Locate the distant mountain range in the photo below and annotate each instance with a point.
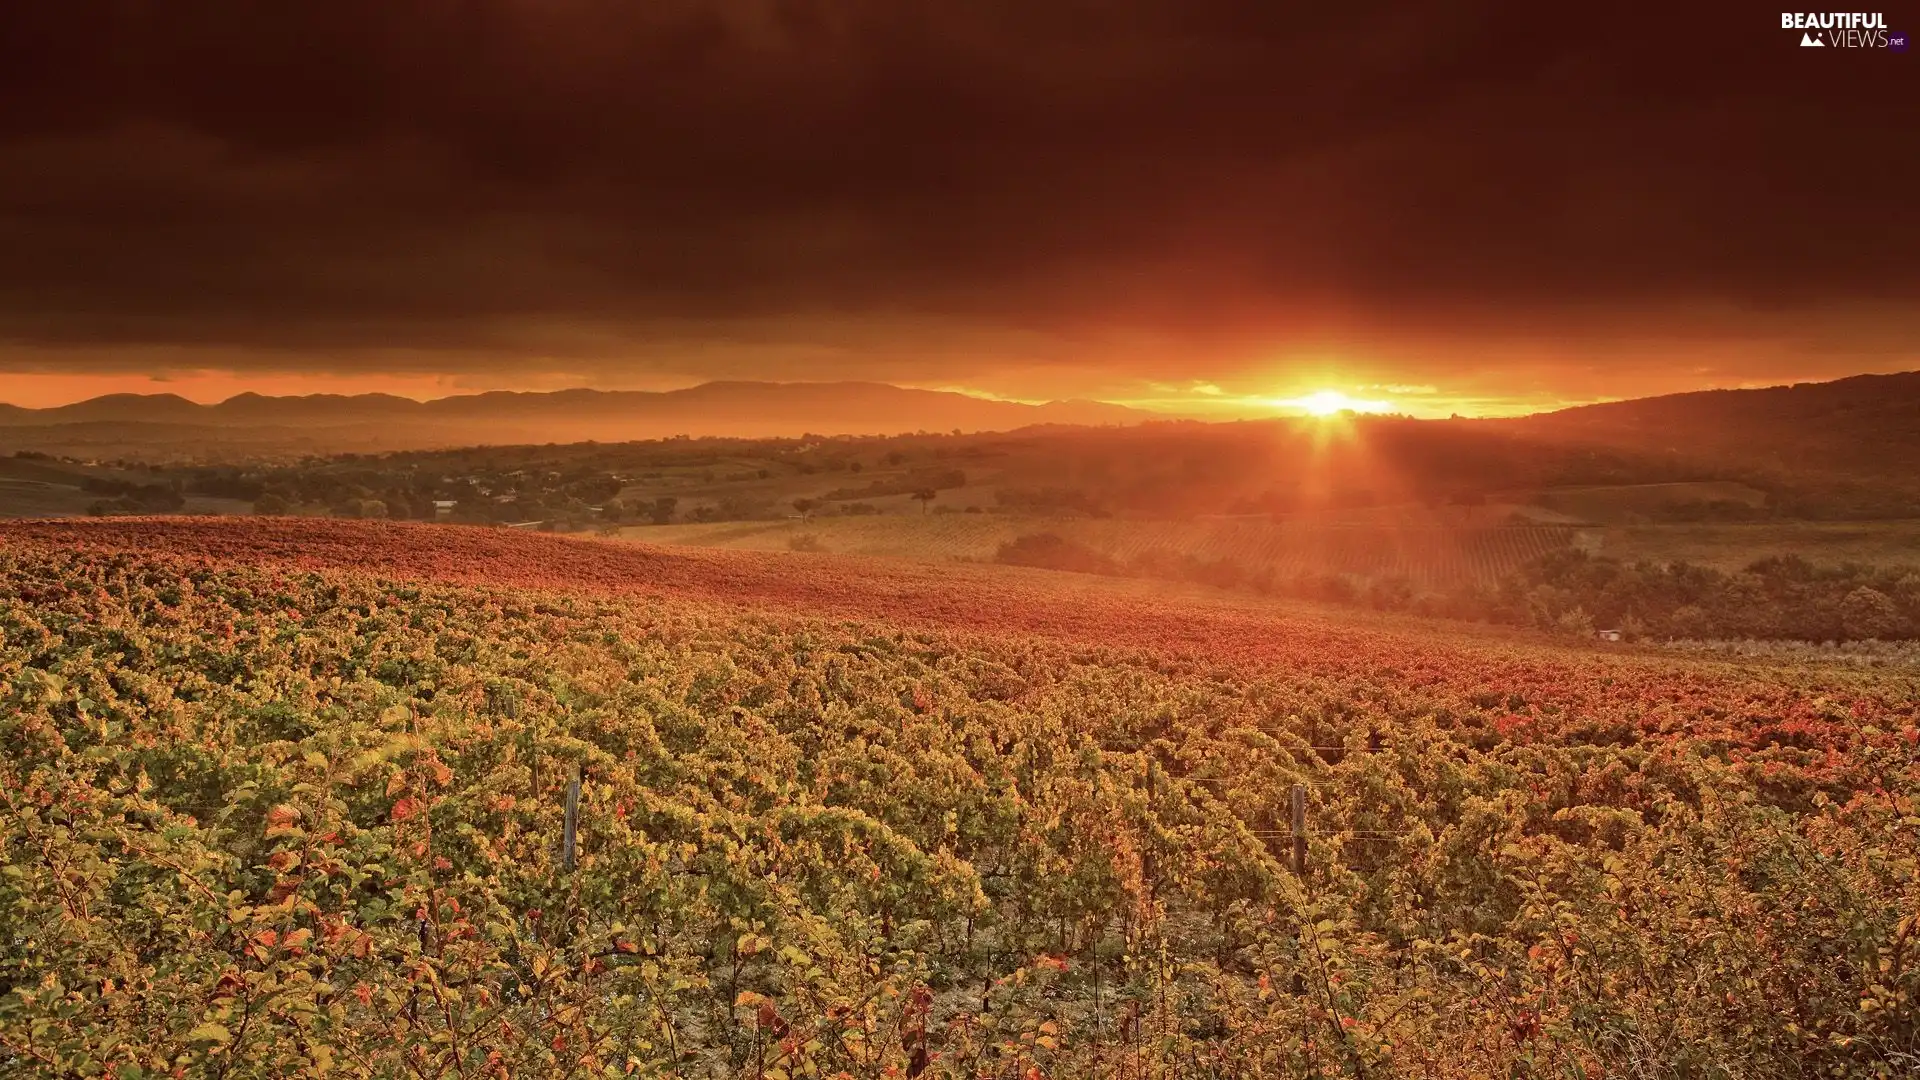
(746, 409)
(1865, 428)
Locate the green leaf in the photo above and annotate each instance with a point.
(210, 1032)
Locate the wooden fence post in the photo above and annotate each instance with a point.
(573, 821)
(1299, 830)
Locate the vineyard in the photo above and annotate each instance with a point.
(288, 798)
(1434, 555)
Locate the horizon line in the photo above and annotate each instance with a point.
(1206, 408)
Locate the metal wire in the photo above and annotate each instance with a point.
(1271, 834)
(1242, 780)
(1348, 836)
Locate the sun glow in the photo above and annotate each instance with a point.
(1332, 403)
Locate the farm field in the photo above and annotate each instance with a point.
(1732, 546)
(1432, 554)
(771, 482)
(1630, 503)
(291, 796)
(1435, 554)
(34, 499)
(31, 489)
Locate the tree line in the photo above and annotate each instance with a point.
(1569, 592)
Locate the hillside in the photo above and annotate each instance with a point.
(1839, 451)
(1861, 429)
(300, 793)
(32, 488)
(952, 596)
(1734, 417)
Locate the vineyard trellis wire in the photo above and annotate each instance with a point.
(795, 819)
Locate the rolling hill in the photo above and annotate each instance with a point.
(1862, 427)
(294, 798)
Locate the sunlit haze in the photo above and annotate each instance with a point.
(1484, 211)
(1332, 402)
(939, 539)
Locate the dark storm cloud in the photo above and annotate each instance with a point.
(597, 177)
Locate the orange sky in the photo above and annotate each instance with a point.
(1209, 380)
(1199, 206)
(1198, 398)
(43, 389)
(1248, 396)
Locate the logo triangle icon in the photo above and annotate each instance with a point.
(1809, 39)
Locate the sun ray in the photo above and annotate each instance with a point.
(1332, 403)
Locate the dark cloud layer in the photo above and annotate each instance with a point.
(647, 182)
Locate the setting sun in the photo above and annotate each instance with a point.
(1332, 402)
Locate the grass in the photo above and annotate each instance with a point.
(1430, 550)
(37, 489)
(739, 478)
(34, 499)
(1733, 546)
(1431, 553)
(1625, 503)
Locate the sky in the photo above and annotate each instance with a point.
(1207, 206)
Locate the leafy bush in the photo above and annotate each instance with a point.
(1868, 613)
(276, 822)
(1051, 551)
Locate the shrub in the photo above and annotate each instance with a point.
(1051, 551)
(1689, 621)
(1869, 613)
(1575, 623)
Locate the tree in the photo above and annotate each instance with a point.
(1051, 551)
(270, 505)
(926, 497)
(1574, 623)
(1869, 613)
(1690, 621)
(805, 506)
(661, 512)
(739, 506)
